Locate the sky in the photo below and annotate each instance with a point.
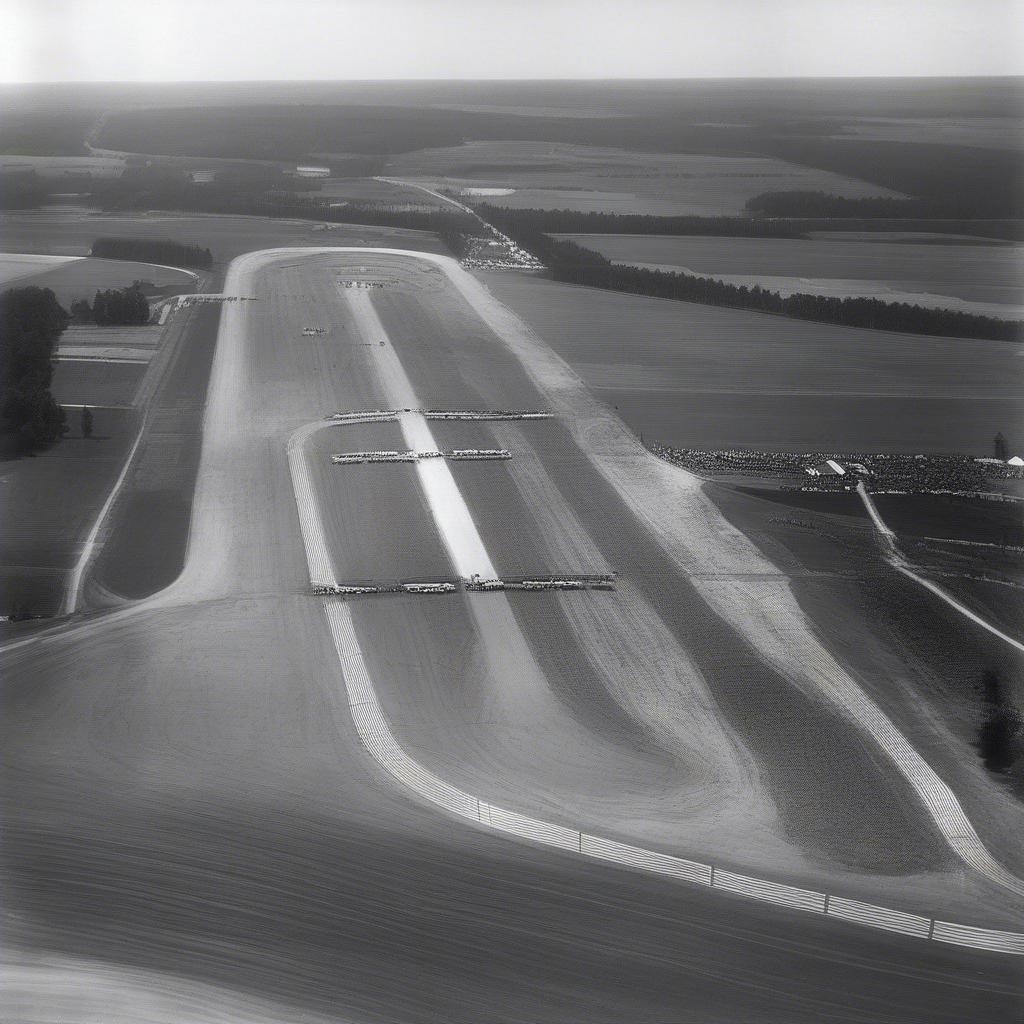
(238, 40)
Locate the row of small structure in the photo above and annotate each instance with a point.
(474, 583)
(349, 458)
(386, 415)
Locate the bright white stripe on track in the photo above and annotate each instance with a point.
(451, 514)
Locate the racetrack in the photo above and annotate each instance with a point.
(187, 794)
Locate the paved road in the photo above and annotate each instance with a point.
(185, 794)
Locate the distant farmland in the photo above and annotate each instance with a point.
(705, 377)
(558, 176)
(987, 279)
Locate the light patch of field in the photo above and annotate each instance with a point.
(72, 232)
(703, 377)
(985, 279)
(373, 190)
(560, 176)
(82, 278)
(136, 341)
(16, 266)
(987, 132)
(60, 166)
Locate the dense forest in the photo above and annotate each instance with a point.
(575, 264)
(174, 192)
(578, 222)
(960, 181)
(31, 323)
(115, 306)
(153, 250)
(824, 204)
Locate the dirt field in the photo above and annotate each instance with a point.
(984, 279)
(700, 377)
(195, 751)
(464, 350)
(558, 176)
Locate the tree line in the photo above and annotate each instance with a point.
(590, 222)
(153, 250)
(31, 323)
(577, 265)
(825, 204)
(114, 306)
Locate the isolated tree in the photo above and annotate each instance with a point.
(999, 735)
(81, 311)
(31, 321)
(86, 421)
(1000, 447)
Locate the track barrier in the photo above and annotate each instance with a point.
(376, 736)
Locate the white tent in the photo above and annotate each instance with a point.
(1015, 461)
(827, 468)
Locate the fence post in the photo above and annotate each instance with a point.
(931, 928)
(827, 898)
(712, 874)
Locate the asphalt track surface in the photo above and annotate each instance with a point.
(192, 815)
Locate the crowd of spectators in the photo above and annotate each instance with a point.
(881, 472)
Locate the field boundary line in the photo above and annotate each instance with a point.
(73, 591)
(899, 563)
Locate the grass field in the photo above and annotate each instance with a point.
(49, 502)
(72, 234)
(369, 190)
(560, 176)
(702, 377)
(96, 382)
(949, 516)
(81, 279)
(986, 132)
(59, 166)
(910, 649)
(18, 267)
(986, 279)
